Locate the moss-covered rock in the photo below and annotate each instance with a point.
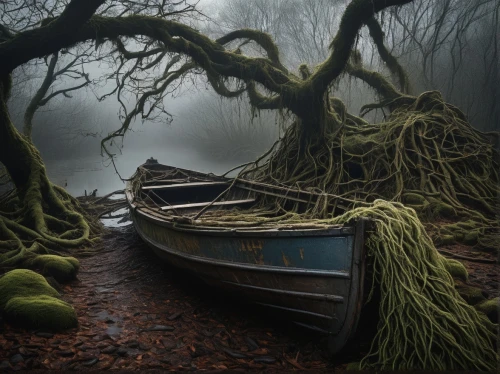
(440, 209)
(471, 295)
(23, 283)
(40, 312)
(353, 366)
(444, 240)
(61, 268)
(490, 307)
(470, 238)
(414, 199)
(456, 269)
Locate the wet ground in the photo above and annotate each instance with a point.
(135, 312)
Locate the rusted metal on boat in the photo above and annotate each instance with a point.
(312, 276)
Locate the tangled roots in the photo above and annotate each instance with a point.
(425, 155)
(40, 221)
(424, 323)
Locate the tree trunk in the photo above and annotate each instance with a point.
(16, 153)
(41, 202)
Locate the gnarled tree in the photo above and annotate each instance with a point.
(424, 153)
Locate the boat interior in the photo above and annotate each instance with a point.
(171, 191)
(185, 192)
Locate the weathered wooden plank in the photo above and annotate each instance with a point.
(199, 205)
(183, 185)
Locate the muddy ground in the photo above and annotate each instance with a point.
(136, 313)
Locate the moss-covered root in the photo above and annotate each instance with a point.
(23, 283)
(424, 323)
(62, 269)
(40, 312)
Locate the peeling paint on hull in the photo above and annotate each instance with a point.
(312, 277)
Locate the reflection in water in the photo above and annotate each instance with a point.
(123, 218)
(78, 175)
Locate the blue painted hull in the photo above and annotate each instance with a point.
(313, 277)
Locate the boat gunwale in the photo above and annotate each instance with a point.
(242, 266)
(354, 298)
(333, 231)
(252, 231)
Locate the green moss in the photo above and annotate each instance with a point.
(443, 210)
(456, 269)
(470, 238)
(471, 295)
(489, 307)
(61, 268)
(353, 366)
(445, 240)
(40, 312)
(413, 198)
(23, 283)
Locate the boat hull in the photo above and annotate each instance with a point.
(311, 277)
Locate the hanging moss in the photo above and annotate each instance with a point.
(23, 283)
(424, 322)
(40, 312)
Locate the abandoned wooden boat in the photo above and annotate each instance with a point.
(313, 277)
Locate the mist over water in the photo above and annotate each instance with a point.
(91, 172)
(210, 134)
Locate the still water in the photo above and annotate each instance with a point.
(94, 172)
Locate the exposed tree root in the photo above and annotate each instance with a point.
(39, 218)
(428, 157)
(425, 155)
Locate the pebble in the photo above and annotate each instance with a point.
(200, 351)
(90, 362)
(132, 344)
(264, 360)
(122, 352)
(109, 350)
(46, 335)
(99, 338)
(233, 354)
(174, 316)
(4, 365)
(168, 343)
(66, 353)
(16, 358)
(78, 343)
(33, 346)
(160, 328)
(252, 345)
